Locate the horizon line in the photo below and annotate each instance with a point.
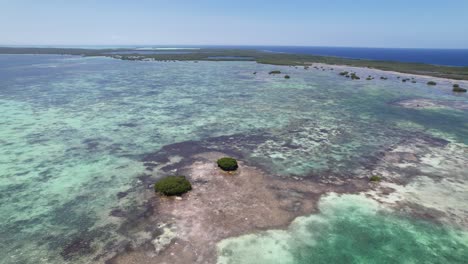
(213, 45)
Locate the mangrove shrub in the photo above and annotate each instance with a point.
(173, 185)
(227, 164)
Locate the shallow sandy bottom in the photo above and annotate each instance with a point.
(423, 103)
(224, 205)
(84, 140)
(250, 217)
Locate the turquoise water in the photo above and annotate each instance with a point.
(75, 131)
(349, 229)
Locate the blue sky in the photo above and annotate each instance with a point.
(351, 23)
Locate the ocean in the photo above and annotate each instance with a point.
(449, 57)
(79, 135)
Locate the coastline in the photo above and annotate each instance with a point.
(285, 59)
(379, 72)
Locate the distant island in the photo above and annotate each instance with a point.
(213, 54)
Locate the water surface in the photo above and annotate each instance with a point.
(74, 133)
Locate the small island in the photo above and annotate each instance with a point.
(344, 73)
(173, 185)
(354, 76)
(458, 89)
(227, 164)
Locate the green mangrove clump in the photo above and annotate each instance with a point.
(383, 78)
(227, 164)
(287, 77)
(431, 83)
(173, 185)
(275, 72)
(354, 76)
(344, 73)
(458, 89)
(375, 178)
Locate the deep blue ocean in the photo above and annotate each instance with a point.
(452, 57)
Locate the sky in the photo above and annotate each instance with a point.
(346, 23)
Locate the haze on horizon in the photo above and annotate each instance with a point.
(360, 23)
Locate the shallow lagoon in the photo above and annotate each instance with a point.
(75, 131)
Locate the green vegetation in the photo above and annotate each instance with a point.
(431, 83)
(375, 178)
(344, 73)
(173, 185)
(458, 73)
(227, 164)
(458, 89)
(383, 78)
(287, 77)
(275, 72)
(354, 76)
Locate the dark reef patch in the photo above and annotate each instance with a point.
(77, 247)
(129, 124)
(121, 195)
(233, 145)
